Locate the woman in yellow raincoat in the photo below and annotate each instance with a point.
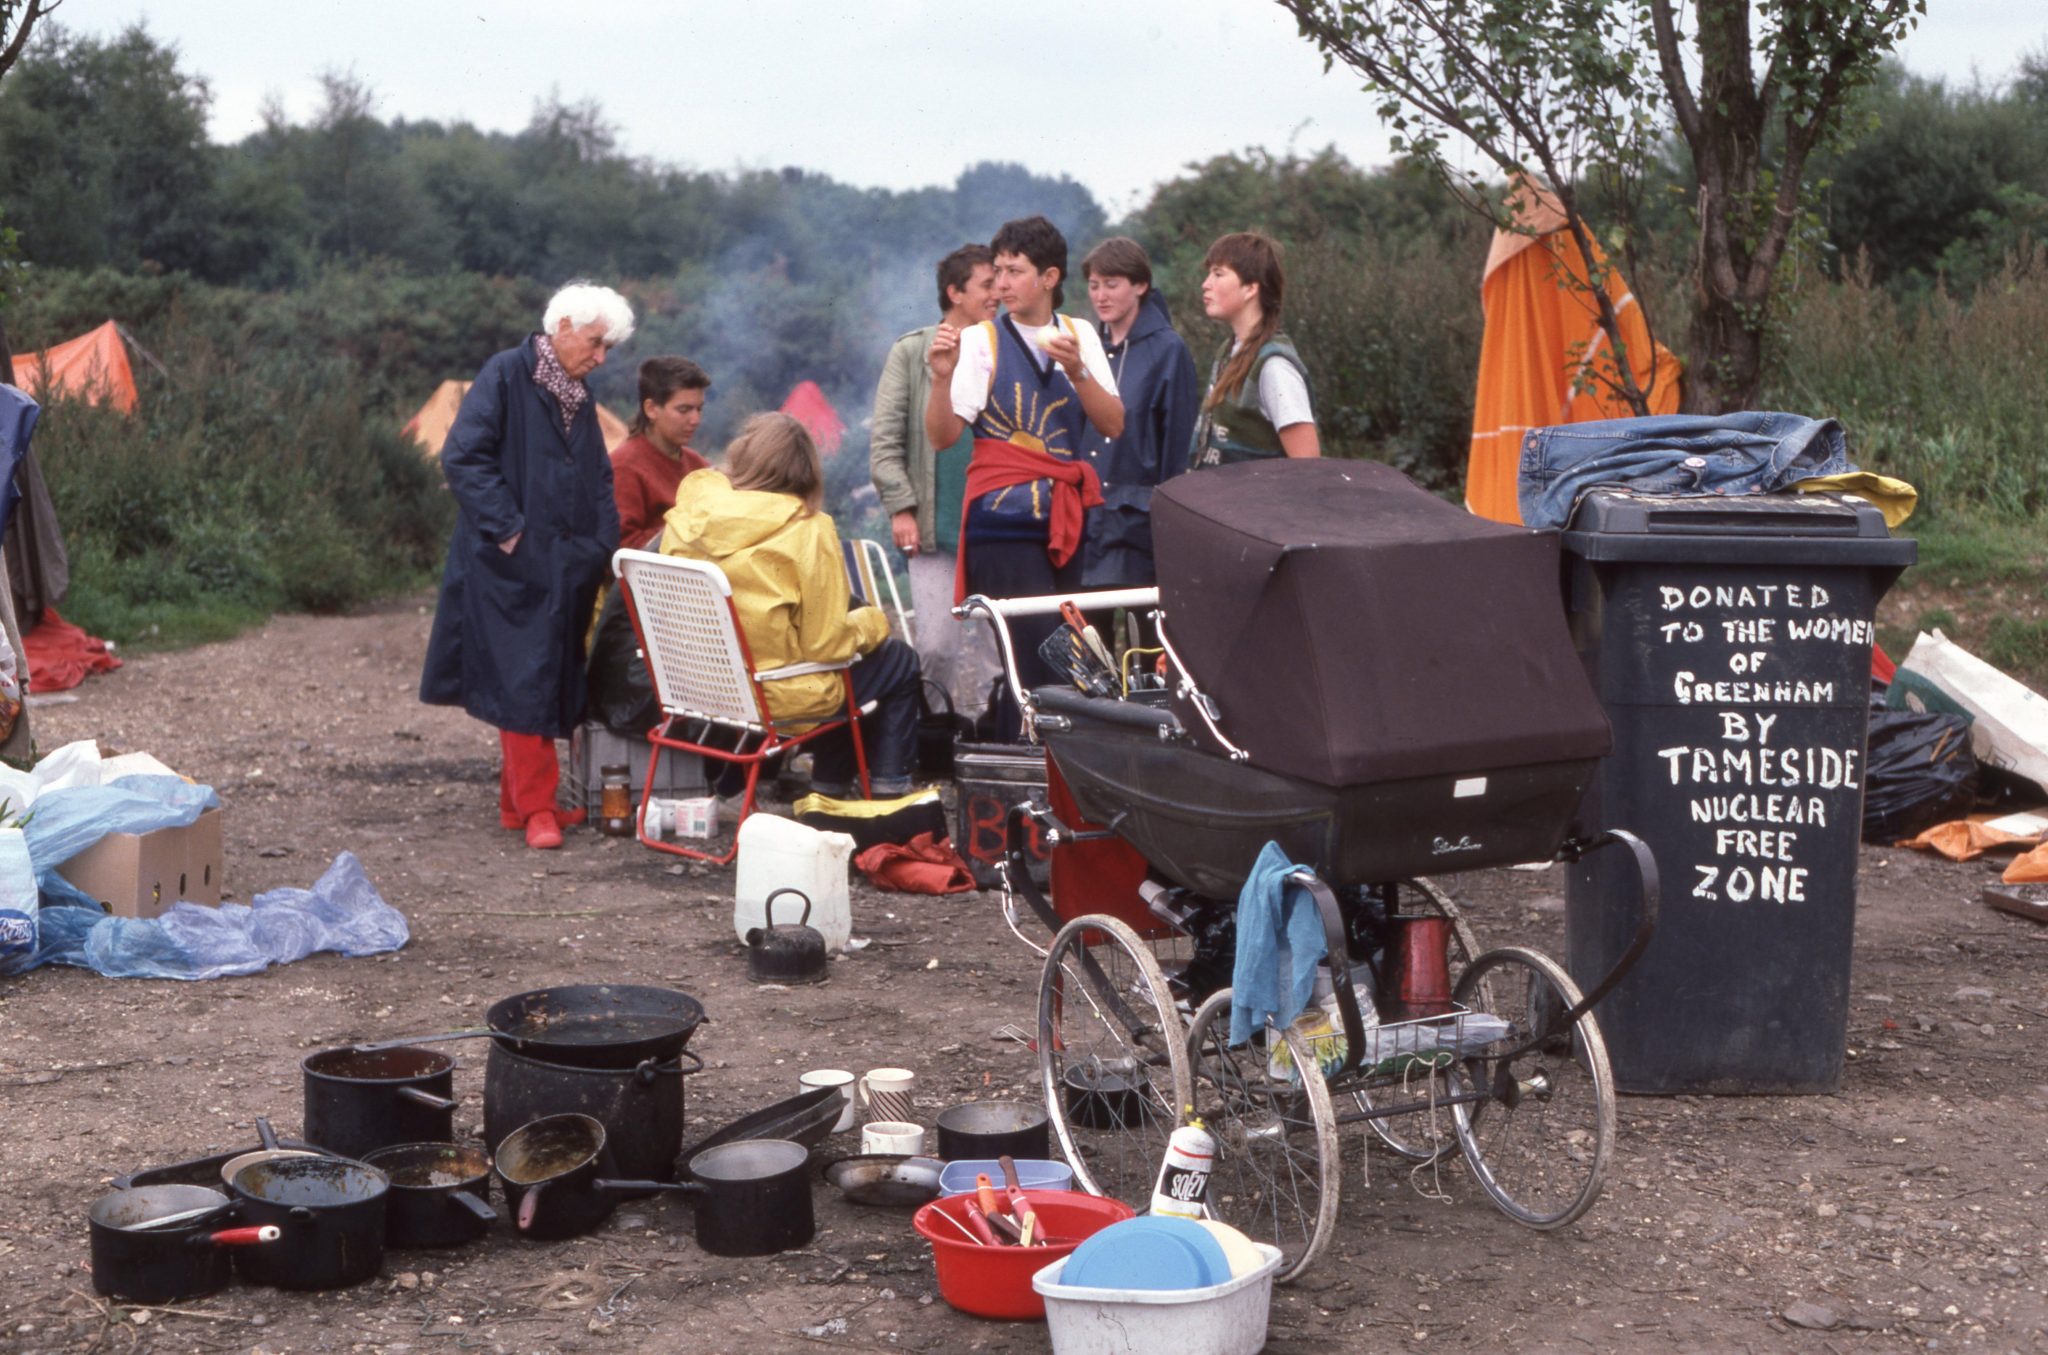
(760, 518)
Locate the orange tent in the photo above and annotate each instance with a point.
(92, 367)
(809, 407)
(1543, 339)
(429, 428)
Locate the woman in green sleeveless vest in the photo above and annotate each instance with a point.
(1259, 404)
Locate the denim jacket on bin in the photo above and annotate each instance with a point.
(1753, 452)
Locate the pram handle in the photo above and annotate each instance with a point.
(1339, 956)
(999, 610)
(1646, 925)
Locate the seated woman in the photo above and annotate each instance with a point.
(759, 517)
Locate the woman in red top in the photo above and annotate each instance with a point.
(647, 467)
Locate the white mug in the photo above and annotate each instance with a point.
(840, 1079)
(884, 1094)
(892, 1136)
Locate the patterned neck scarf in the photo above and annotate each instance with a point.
(548, 374)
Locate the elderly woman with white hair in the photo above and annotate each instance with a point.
(537, 528)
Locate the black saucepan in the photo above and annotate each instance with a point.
(331, 1214)
(598, 1025)
(990, 1129)
(440, 1193)
(752, 1198)
(159, 1244)
(359, 1102)
(549, 1168)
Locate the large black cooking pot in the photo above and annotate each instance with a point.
(594, 1025)
(159, 1244)
(330, 1212)
(640, 1108)
(359, 1102)
(440, 1193)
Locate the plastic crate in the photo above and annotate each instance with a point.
(593, 747)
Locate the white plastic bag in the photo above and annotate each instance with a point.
(2008, 720)
(18, 902)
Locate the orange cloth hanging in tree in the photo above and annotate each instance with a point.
(1542, 334)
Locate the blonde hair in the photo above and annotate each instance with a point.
(774, 453)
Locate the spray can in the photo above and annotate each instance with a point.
(1183, 1185)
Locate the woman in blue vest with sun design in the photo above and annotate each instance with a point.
(1026, 383)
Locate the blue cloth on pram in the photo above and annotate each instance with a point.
(1279, 943)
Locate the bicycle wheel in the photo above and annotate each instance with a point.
(1112, 1052)
(1420, 1136)
(1539, 1144)
(1275, 1175)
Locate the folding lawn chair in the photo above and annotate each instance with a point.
(704, 674)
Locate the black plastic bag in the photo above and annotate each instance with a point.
(621, 695)
(1919, 771)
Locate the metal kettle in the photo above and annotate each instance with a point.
(786, 954)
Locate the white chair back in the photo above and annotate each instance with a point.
(691, 637)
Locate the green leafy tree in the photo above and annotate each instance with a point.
(1578, 92)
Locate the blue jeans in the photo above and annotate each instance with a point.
(890, 677)
(1753, 452)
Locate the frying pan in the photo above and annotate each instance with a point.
(592, 1025)
(885, 1179)
(804, 1119)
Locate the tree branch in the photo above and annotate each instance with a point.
(36, 10)
(1672, 64)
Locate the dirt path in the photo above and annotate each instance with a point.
(1903, 1211)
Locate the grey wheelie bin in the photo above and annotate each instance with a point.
(1729, 639)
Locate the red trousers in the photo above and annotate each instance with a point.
(527, 782)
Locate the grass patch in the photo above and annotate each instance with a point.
(2017, 645)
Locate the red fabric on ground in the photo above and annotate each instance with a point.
(922, 865)
(527, 781)
(61, 655)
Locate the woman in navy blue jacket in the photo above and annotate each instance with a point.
(537, 527)
(1155, 378)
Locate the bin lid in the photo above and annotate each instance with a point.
(1765, 529)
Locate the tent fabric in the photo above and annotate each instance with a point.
(61, 655)
(429, 427)
(1353, 628)
(807, 404)
(92, 367)
(1542, 331)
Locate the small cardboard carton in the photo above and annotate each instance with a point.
(142, 874)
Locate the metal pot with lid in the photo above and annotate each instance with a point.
(786, 954)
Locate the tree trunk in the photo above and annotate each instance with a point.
(1727, 366)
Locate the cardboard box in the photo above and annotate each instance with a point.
(142, 874)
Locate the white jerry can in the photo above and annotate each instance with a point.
(778, 853)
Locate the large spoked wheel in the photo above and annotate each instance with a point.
(1112, 1051)
(1421, 1136)
(1539, 1142)
(1275, 1176)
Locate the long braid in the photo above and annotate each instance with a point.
(1255, 258)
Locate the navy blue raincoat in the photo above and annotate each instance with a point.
(507, 644)
(1155, 379)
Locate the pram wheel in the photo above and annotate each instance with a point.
(1111, 1050)
(1275, 1175)
(1539, 1143)
(1422, 1137)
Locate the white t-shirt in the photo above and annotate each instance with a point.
(1283, 395)
(978, 362)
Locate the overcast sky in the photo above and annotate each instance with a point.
(1119, 94)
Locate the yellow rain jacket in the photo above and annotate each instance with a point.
(788, 585)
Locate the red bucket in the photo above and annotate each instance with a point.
(996, 1281)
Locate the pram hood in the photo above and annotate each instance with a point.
(1354, 628)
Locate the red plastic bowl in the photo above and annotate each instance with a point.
(996, 1281)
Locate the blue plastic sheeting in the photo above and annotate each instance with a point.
(342, 912)
(63, 823)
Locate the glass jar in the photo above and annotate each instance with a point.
(615, 802)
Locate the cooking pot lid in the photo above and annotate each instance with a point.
(748, 1160)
